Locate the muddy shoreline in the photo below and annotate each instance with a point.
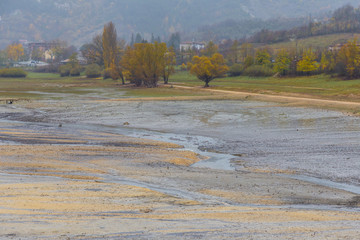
(74, 170)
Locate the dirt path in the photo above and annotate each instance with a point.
(293, 100)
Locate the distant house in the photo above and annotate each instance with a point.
(44, 46)
(49, 55)
(185, 46)
(31, 63)
(337, 47)
(81, 60)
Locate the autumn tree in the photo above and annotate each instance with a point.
(233, 55)
(93, 52)
(348, 60)
(3, 58)
(15, 51)
(210, 49)
(328, 62)
(207, 69)
(246, 50)
(282, 63)
(61, 50)
(308, 62)
(37, 54)
(109, 41)
(131, 66)
(144, 63)
(169, 63)
(262, 57)
(249, 61)
(112, 51)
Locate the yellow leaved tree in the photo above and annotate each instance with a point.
(169, 64)
(348, 59)
(308, 62)
(15, 51)
(144, 63)
(282, 63)
(207, 69)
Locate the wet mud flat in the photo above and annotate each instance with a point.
(80, 173)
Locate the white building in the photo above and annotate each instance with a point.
(31, 63)
(185, 46)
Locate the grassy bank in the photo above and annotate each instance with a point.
(37, 85)
(34, 84)
(319, 86)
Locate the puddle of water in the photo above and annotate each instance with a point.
(191, 143)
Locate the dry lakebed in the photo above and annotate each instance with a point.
(93, 167)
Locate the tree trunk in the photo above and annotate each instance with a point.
(207, 84)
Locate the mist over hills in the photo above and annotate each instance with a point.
(78, 20)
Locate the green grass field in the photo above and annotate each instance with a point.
(320, 86)
(35, 84)
(28, 88)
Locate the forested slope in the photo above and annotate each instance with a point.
(78, 20)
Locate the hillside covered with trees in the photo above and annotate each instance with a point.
(344, 20)
(77, 21)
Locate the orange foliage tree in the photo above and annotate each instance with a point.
(144, 63)
(207, 69)
(15, 51)
(112, 49)
(348, 60)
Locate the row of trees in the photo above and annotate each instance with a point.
(344, 61)
(146, 63)
(140, 63)
(344, 20)
(246, 60)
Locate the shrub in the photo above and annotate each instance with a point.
(93, 71)
(259, 71)
(13, 73)
(183, 67)
(64, 71)
(52, 68)
(74, 72)
(235, 70)
(136, 82)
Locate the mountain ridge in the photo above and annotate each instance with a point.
(77, 20)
